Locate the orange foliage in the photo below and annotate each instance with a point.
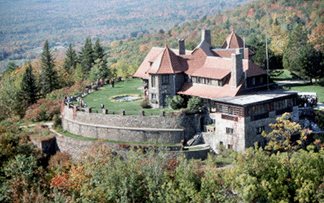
(250, 13)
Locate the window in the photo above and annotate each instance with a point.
(261, 80)
(229, 146)
(153, 80)
(259, 130)
(153, 96)
(165, 79)
(220, 83)
(194, 79)
(253, 81)
(229, 131)
(207, 81)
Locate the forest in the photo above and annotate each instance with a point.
(25, 25)
(284, 171)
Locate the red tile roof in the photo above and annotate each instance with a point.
(252, 69)
(214, 67)
(209, 92)
(151, 56)
(167, 62)
(233, 41)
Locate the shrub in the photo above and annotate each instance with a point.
(177, 102)
(194, 104)
(57, 122)
(145, 104)
(43, 110)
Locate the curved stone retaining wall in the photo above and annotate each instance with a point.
(129, 128)
(76, 147)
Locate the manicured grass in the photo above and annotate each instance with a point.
(307, 87)
(104, 95)
(281, 74)
(79, 137)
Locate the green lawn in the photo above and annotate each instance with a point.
(103, 95)
(281, 74)
(306, 87)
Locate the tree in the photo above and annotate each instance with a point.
(29, 87)
(86, 57)
(317, 37)
(177, 102)
(310, 63)
(11, 67)
(195, 103)
(292, 174)
(99, 70)
(98, 52)
(70, 60)
(49, 74)
(297, 39)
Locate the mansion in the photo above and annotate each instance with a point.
(232, 87)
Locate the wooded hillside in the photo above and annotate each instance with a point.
(25, 25)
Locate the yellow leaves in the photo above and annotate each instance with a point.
(143, 47)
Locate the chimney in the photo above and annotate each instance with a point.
(182, 47)
(205, 36)
(237, 70)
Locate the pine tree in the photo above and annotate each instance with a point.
(297, 39)
(98, 52)
(49, 75)
(86, 57)
(29, 87)
(70, 60)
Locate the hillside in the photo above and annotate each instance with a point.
(251, 21)
(25, 25)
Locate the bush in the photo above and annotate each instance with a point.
(194, 104)
(57, 122)
(177, 102)
(145, 104)
(43, 110)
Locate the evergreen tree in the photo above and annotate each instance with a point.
(98, 52)
(86, 57)
(49, 75)
(297, 39)
(29, 88)
(310, 63)
(70, 60)
(99, 70)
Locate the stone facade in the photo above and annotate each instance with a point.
(239, 132)
(162, 86)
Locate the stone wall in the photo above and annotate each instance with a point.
(77, 147)
(126, 128)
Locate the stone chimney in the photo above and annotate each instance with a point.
(182, 47)
(237, 70)
(205, 36)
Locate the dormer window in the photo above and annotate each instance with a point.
(220, 83)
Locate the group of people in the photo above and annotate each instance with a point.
(309, 100)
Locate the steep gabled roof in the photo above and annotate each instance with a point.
(145, 66)
(167, 62)
(251, 69)
(205, 47)
(209, 92)
(215, 68)
(233, 41)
